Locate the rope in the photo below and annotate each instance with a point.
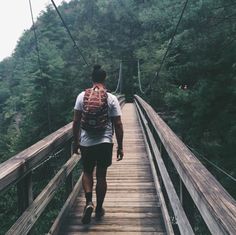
(169, 45)
(40, 68)
(68, 31)
(139, 80)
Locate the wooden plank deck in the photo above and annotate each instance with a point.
(131, 204)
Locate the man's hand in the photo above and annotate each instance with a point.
(120, 154)
(119, 136)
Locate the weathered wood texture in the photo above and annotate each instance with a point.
(131, 204)
(16, 167)
(216, 206)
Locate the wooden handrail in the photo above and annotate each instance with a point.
(216, 206)
(178, 210)
(19, 165)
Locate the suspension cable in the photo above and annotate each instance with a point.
(36, 38)
(68, 31)
(169, 45)
(139, 80)
(119, 79)
(40, 68)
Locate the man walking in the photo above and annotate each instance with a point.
(97, 114)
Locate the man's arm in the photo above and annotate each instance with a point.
(119, 136)
(76, 129)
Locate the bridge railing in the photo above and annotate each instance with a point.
(216, 206)
(19, 169)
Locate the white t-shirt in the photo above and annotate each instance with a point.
(114, 110)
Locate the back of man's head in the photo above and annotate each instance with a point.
(98, 74)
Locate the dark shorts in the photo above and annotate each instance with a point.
(98, 155)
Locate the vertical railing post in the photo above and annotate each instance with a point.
(188, 205)
(69, 179)
(24, 192)
(180, 190)
(121, 78)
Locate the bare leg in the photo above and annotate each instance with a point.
(87, 181)
(101, 186)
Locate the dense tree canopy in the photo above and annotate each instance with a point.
(37, 99)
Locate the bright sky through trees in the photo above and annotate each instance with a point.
(15, 18)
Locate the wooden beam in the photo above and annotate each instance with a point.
(216, 206)
(26, 221)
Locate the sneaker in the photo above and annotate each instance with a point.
(99, 213)
(88, 210)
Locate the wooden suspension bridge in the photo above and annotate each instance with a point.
(155, 189)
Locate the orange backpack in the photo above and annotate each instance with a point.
(95, 109)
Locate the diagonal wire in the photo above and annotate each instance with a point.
(36, 38)
(169, 44)
(68, 31)
(213, 164)
(40, 69)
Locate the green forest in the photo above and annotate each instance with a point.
(195, 91)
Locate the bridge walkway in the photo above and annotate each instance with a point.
(131, 203)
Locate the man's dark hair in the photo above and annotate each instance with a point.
(98, 74)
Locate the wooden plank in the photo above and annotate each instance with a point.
(115, 228)
(26, 221)
(109, 220)
(121, 233)
(109, 199)
(216, 206)
(19, 165)
(128, 215)
(78, 208)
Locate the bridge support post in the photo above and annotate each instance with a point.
(187, 204)
(120, 78)
(24, 193)
(69, 179)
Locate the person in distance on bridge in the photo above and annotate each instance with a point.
(96, 113)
